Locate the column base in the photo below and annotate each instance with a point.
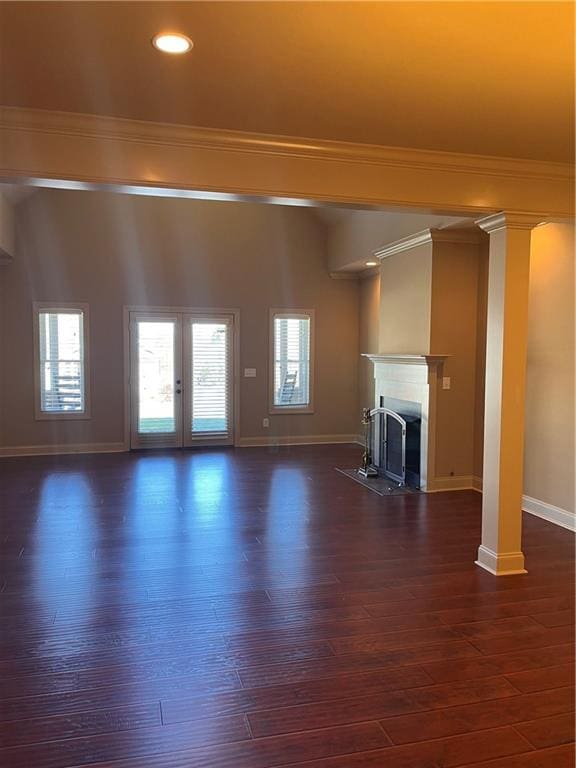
(505, 564)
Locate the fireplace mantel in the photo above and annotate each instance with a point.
(406, 359)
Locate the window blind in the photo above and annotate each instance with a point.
(61, 337)
(210, 377)
(291, 361)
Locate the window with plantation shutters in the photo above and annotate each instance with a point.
(292, 361)
(60, 335)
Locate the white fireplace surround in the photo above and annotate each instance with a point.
(414, 378)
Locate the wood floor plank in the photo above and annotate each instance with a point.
(557, 757)
(382, 642)
(530, 638)
(255, 699)
(269, 753)
(556, 619)
(352, 664)
(500, 664)
(543, 679)
(448, 753)
(392, 704)
(478, 716)
(140, 743)
(549, 731)
(54, 728)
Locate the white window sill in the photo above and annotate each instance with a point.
(47, 416)
(275, 409)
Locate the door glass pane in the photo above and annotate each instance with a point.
(156, 412)
(209, 377)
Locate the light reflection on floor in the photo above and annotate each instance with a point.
(65, 537)
(183, 529)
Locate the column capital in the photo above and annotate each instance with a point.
(510, 220)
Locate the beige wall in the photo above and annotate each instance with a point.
(453, 331)
(549, 458)
(111, 250)
(405, 295)
(369, 332)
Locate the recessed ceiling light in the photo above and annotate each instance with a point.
(371, 263)
(173, 42)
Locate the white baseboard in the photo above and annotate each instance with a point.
(243, 442)
(258, 442)
(53, 450)
(477, 483)
(542, 509)
(450, 483)
(549, 512)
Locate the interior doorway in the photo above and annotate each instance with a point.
(181, 374)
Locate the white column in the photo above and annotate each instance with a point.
(501, 549)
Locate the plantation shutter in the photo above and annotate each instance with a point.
(210, 377)
(61, 349)
(291, 361)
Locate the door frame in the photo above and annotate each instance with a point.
(207, 312)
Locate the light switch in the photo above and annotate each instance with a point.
(446, 382)
(249, 373)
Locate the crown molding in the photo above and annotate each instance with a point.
(427, 236)
(143, 132)
(404, 244)
(510, 220)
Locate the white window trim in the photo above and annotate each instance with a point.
(297, 314)
(44, 306)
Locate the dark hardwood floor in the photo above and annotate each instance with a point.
(254, 608)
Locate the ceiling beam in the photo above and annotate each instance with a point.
(46, 148)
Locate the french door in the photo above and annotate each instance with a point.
(181, 379)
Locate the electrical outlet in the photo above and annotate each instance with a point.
(266, 423)
(249, 373)
(446, 382)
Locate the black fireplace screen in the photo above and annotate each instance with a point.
(400, 446)
(394, 446)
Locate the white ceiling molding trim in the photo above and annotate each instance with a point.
(428, 236)
(510, 220)
(121, 129)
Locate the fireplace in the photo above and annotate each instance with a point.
(405, 417)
